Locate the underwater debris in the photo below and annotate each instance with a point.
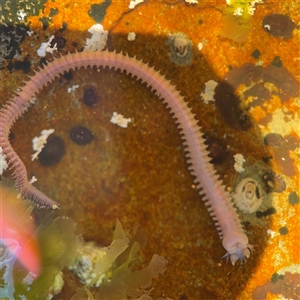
(53, 151)
(46, 47)
(131, 36)
(247, 195)
(181, 50)
(39, 142)
(81, 135)
(120, 120)
(97, 266)
(278, 25)
(98, 40)
(3, 162)
(239, 161)
(209, 91)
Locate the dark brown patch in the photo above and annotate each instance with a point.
(53, 151)
(217, 151)
(278, 25)
(90, 97)
(229, 106)
(81, 135)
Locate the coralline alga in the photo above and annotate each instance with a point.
(212, 190)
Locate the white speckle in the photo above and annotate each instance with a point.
(200, 46)
(21, 15)
(38, 143)
(238, 12)
(131, 36)
(209, 91)
(29, 33)
(132, 4)
(32, 180)
(192, 1)
(272, 233)
(72, 88)
(46, 47)
(267, 26)
(3, 162)
(98, 40)
(120, 120)
(56, 286)
(238, 162)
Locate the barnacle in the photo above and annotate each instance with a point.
(180, 49)
(247, 195)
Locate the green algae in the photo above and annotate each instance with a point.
(58, 245)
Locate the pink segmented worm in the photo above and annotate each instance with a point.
(219, 204)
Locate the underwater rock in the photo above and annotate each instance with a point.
(278, 25)
(53, 151)
(81, 135)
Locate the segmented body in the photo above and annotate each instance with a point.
(214, 194)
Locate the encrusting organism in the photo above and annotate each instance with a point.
(213, 192)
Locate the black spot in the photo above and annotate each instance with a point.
(275, 277)
(283, 230)
(68, 75)
(11, 136)
(43, 62)
(53, 12)
(269, 211)
(64, 27)
(277, 62)
(256, 54)
(53, 151)
(217, 151)
(23, 65)
(90, 97)
(59, 41)
(45, 22)
(245, 122)
(293, 198)
(98, 11)
(81, 135)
